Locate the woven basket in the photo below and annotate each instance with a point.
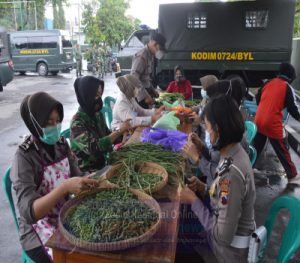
(144, 167)
(110, 246)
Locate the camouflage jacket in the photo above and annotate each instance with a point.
(90, 141)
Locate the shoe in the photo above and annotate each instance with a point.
(294, 180)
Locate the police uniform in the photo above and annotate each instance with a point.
(232, 192)
(142, 69)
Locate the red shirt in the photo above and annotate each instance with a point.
(183, 87)
(269, 114)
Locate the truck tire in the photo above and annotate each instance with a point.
(54, 72)
(22, 73)
(1, 87)
(42, 69)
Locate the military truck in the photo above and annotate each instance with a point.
(245, 38)
(42, 51)
(6, 64)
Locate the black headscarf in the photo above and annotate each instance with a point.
(287, 72)
(179, 67)
(86, 89)
(40, 104)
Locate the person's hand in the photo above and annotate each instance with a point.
(186, 195)
(75, 185)
(160, 110)
(196, 185)
(155, 117)
(149, 101)
(194, 138)
(125, 126)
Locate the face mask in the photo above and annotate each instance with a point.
(159, 54)
(179, 78)
(136, 92)
(51, 134)
(98, 104)
(204, 94)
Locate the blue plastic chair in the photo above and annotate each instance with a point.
(291, 236)
(107, 113)
(252, 154)
(7, 189)
(66, 133)
(251, 131)
(109, 102)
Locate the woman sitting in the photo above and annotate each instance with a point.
(43, 173)
(91, 140)
(126, 106)
(231, 221)
(180, 84)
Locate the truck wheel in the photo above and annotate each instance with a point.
(1, 87)
(54, 73)
(22, 73)
(42, 69)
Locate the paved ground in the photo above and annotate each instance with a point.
(270, 183)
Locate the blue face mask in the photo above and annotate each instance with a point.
(51, 134)
(204, 94)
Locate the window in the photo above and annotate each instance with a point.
(50, 42)
(257, 19)
(66, 41)
(197, 21)
(35, 42)
(20, 42)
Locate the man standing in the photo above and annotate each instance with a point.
(95, 59)
(78, 57)
(272, 98)
(142, 67)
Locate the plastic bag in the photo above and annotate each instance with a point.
(171, 105)
(169, 139)
(168, 122)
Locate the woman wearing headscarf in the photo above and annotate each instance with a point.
(180, 84)
(126, 106)
(91, 140)
(43, 173)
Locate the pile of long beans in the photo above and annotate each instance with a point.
(110, 215)
(130, 176)
(147, 152)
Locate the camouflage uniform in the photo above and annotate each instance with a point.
(90, 141)
(95, 60)
(78, 57)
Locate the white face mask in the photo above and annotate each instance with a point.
(136, 92)
(204, 94)
(207, 140)
(159, 54)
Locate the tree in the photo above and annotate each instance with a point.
(297, 20)
(108, 24)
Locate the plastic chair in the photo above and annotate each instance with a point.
(109, 102)
(291, 236)
(66, 133)
(107, 113)
(251, 130)
(252, 154)
(7, 189)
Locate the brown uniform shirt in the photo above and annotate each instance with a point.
(233, 208)
(26, 175)
(142, 69)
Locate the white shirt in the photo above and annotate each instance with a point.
(125, 109)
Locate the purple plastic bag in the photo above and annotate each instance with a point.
(170, 139)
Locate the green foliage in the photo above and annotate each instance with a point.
(108, 24)
(297, 20)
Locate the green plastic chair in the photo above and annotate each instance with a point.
(252, 154)
(107, 113)
(66, 133)
(7, 189)
(109, 102)
(251, 131)
(291, 236)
